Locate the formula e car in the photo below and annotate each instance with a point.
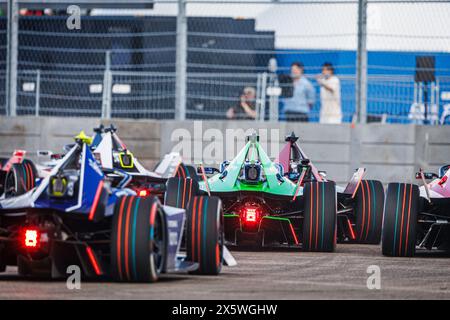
(80, 216)
(417, 218)
(288, 202)
(112, 154)
(359, 204)
(261, 206)
(19, 175)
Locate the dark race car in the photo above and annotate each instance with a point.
(418, 218)
(359, 204)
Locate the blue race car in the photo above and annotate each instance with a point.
(78, 216)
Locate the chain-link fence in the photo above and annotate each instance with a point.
(3, 44)
(402, 38)
(125, 64)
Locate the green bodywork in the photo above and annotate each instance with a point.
(231, 182)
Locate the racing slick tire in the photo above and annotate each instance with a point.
(3, 162)
(400, 220)
(138, 240)
(319, 222)
(205, 237)
(20, 179)
(179, 192)
(369, 212)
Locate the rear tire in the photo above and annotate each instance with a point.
(369, 212)
(400, 220)
(179, 192)
(138, 240)
(319, 221)
(20, 179)
(204, 240)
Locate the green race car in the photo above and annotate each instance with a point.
(261, 206)
(286, 202)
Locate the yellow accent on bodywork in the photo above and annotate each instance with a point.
(131, 165)
(55, 193)
(84, 138)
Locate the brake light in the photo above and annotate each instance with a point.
(144, 193)
(31, 238)
(251, 215)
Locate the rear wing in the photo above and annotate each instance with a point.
(286, 154)
(355, 181)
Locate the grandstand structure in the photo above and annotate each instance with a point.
(125, 62)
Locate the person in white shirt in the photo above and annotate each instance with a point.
(330, 95)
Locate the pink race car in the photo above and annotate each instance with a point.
(417, 217)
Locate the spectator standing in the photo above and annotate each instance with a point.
(330, 95)
(298, 106)
(246, 108)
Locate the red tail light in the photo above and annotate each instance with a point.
(31, 238)
(144, 193)
(251, 214)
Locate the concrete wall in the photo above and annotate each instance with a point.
(389, 152)
(32, 134)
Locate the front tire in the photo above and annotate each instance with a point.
(400, 220)
(369, 212)
(138, 240)
(319, 221)
(205, 235)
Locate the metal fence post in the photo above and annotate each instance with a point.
(274, 85)
(11, 60)
(181, 62)
(361, 63)
(107, 87)
(38, 92)
(263, 91)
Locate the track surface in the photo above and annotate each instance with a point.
(268, 275)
